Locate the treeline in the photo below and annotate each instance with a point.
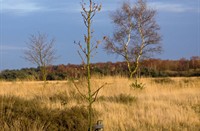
(148, 68)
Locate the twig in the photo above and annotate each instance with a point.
(97, 91)
(84, 96)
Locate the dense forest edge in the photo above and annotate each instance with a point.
(148, 68)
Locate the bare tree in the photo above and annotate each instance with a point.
(136, 34)
(40, 51)
(88, 50)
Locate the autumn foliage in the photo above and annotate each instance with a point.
(149, 68)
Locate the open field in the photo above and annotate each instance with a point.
(164, 104)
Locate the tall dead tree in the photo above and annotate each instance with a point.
(136, 34)
(40, 51)
(88, 49)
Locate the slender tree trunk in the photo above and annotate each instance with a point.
(88, 68)
(135, 68)
(129, 69)
(140, 51)
(87, 17)
(44, 74)
(126, 50)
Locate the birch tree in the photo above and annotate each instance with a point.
(136, 34)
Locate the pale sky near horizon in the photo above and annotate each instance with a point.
(179, 21)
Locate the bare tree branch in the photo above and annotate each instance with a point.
(95, 94)
(84, 96)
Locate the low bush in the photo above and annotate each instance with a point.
(60, 97)
(26, 112)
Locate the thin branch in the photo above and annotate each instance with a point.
(83, 61)
(84, 96)
(97, 91)
(83, 49)
(93, 15)
(95, 46)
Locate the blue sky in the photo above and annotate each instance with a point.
(179, 21)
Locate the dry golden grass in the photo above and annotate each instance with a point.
(164, 104)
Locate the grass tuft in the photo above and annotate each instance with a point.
(121, 98)
(164, 80)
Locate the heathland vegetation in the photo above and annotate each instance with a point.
(164, 104)
(136, 94)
